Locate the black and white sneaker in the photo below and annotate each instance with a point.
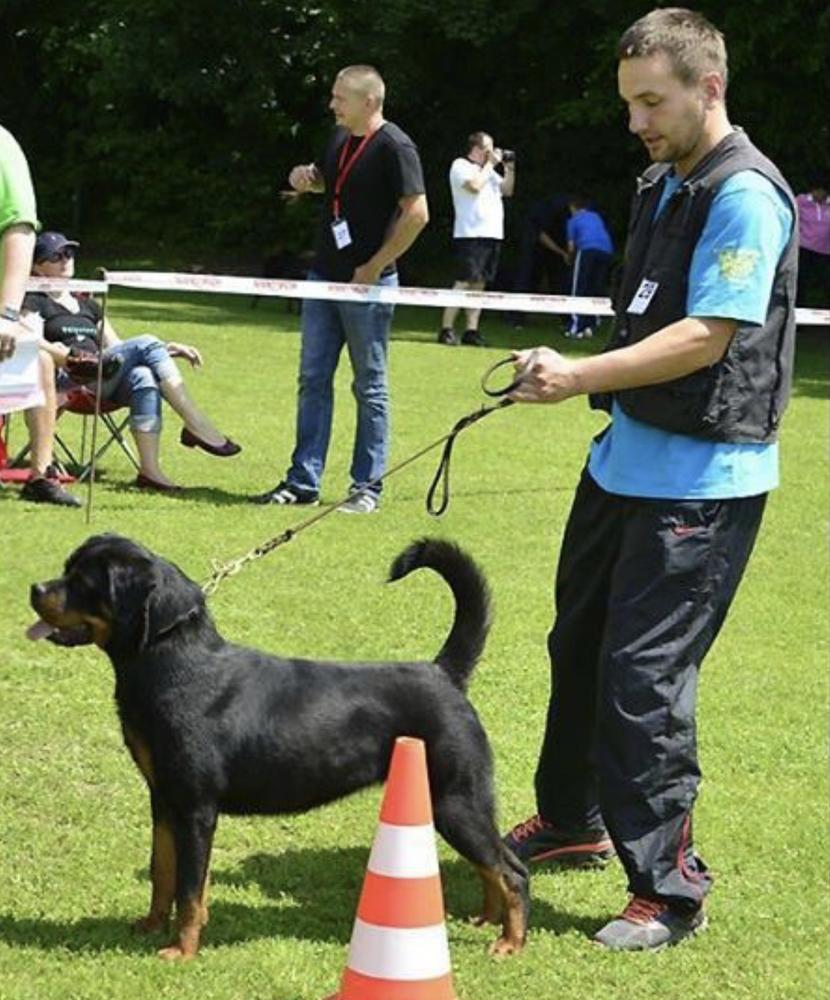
(285, 495)
(360, 503)
(42, 490)
(447, 336)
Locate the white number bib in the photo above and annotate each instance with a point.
(642, 297)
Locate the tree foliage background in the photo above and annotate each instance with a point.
(169, 126)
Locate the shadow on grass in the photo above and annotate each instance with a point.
(202, 494)
(317, 890)
(207, 311)
(224, 498)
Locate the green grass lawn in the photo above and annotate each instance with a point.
(74, 817)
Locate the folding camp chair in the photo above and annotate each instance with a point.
(81, 402)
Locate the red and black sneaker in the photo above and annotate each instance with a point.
(538, 840)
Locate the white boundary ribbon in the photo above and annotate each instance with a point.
(67, 284)
(345, 292)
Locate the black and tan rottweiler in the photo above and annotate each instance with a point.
(219, 728)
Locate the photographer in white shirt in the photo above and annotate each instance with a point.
(479, 181)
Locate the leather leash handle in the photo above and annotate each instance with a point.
(442, 473)
(511, 386)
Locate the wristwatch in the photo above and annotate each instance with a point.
(10, 313)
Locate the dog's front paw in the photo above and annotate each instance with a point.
(505, 946)
(175, 953)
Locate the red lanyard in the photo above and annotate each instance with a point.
(343, 170)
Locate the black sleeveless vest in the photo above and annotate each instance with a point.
(740, 398)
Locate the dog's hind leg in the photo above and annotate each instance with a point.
(472, 832)
(163, 875)
(194, 839)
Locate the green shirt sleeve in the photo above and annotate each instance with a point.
(17, 196)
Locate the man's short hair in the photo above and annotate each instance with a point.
(693, 45)
(477, 140)
(365, 80)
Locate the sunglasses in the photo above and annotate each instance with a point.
(66, 254)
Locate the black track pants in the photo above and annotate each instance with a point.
(642, 589)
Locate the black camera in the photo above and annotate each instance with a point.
(508, 156)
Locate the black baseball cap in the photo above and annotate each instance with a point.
(50, 242)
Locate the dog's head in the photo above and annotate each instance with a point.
(114, 593)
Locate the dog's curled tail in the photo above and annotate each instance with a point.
(465, 643)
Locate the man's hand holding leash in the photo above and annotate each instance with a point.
(544, 376)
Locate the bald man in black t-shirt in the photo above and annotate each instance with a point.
(374, 209)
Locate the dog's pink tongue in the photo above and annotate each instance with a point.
(39, 630)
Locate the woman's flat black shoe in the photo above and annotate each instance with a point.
(143, 482)
(224, 450)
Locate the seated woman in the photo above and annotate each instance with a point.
(137, 372)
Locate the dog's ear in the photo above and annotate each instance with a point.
(148, 596)
(172, 599)
(131, 581)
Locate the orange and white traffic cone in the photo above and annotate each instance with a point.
(399, 948)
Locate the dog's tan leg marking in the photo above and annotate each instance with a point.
(511, 914)
(163, 874)
(188, 930)
(491, 910)
(191, 916)
(204, 900)
(140, 753)
(163, 857)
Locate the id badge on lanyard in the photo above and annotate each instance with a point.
(341, 234)
(339, 226)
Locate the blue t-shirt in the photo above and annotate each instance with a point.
(587, 231)
(730, 277)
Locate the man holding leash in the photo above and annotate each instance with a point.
(371, 177)
(696, 379)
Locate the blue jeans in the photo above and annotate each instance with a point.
(145, 363)
(364, 328)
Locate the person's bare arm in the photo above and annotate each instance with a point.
(18, 246)
(413, 216)
(550, 244)
(109, 337)
(305, 178)
(678, 349)
(475, 183)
